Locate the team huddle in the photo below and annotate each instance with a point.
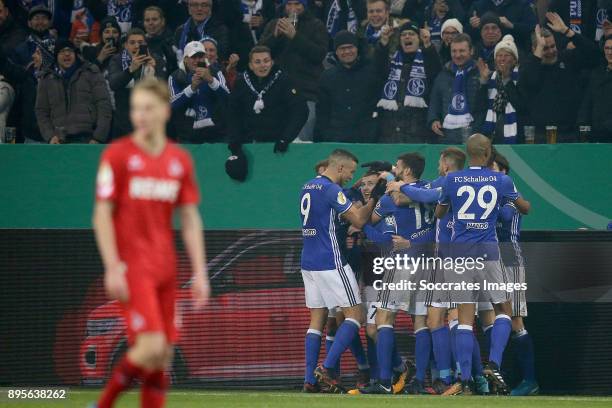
(467, 222)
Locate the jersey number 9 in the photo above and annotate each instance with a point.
(305, 207)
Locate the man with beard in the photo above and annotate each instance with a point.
(101, 53)
(40, 38)
(405, 95)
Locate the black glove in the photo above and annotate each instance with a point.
(379, 189)
(236, 166)
(378, 165)
(281, 146)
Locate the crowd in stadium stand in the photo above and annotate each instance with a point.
(387, 71)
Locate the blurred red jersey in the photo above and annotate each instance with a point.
(145, 190)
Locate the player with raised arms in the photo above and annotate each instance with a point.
(141, 180)
(474, 196)
(328, 279)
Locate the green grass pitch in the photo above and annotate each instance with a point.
(272, 399)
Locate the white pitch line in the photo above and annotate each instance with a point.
(300, 395)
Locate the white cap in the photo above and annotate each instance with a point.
(507, 44)
(452, 22)
(193, 48)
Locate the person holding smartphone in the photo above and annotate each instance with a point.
(110, 42)
(134, 63)
(197, 95)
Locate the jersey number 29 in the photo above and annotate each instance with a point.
(488, 206)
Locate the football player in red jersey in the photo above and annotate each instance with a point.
(142, 178)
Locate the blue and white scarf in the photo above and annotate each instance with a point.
(510, 126)
(202, 101)
(575, 15)
(372, 34)
(435, 28)
(122, 11)
(416, 86)
(602, 15)
(126, 61)
(250, 8)
(459, 115)
(184, 39)
(46, 45)
(333, 18)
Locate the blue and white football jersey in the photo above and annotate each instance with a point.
(475, 195)
(413, 222)
(509, 234)
(321, 202)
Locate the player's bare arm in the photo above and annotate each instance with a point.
(191, 228)
(441, 210)
(358, 217)
(400, 199)
(522, 205)
(114, 270)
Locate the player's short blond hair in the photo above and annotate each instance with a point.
(155, 86)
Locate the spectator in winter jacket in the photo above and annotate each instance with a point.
(458, 99)
(159, 38)
(505, 110)
(490, 34)
(110, 44)
(11, 33)
(549, 79)
(405, 95)
(299, 44)
(596, 110)
(134, 63)
(201, 23)
(516, 16)
(263, 94)
(347, 94)
(73, 103)
(197, 95)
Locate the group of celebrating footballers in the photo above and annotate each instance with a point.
(390, 211)
(143, 178)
